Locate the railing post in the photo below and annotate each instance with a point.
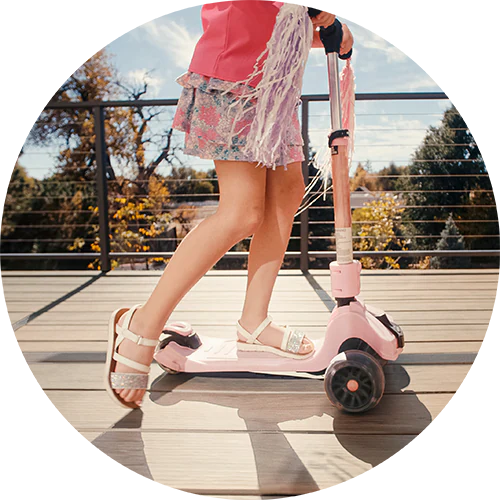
(304, 216)
(102, 187)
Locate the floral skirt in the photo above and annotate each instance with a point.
(205, 115)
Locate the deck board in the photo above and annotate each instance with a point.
(43, 290)
(249, 437)
(404, 413)
(75, 376)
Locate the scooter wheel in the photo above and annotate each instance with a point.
(354, 381)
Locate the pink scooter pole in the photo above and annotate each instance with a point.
(345, 272)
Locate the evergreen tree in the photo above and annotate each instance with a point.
(388, 178)
(449, 173)
(451, 239)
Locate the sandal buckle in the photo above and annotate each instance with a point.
(140, 340)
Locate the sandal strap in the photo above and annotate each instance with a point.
(128, 380)
(130, 363)
(126, 333)
(122, 333)
(252, 337)
(292, 340)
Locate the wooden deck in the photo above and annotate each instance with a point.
(248, 436)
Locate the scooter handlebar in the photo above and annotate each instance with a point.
(332, 39)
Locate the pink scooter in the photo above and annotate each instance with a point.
(359, 339)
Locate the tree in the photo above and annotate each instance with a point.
(451, 239)
(185, 181)
(43, 216)
(18, 218)
(381, 229)
(388, 178)
(448, 172)
(138, 195)
(137, 222)
(364, 177)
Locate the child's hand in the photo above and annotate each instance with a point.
(347, 40)
(345, 46)
(317, 43)
(323, 19)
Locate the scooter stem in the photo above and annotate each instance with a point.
(334, 90)
(340, 170)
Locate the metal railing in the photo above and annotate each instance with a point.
(303, 254)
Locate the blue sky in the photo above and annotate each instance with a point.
(396, 50)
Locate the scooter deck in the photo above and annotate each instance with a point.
(216, 355)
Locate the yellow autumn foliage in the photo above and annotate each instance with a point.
(377, 232)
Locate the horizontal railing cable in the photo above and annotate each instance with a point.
(183, 205)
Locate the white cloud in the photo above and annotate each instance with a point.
(451, 43)
(174, 38)
(316, 58)
(423, 83)
(137, 76)
(437, 28)
(367, 40)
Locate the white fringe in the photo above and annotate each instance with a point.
(277, 95)
(322, 160)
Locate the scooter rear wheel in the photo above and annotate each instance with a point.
(354, 381)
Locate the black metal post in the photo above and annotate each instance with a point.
(102, 187)
(304, 216)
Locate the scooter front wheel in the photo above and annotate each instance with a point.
(354, 381)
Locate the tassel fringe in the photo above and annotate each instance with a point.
(322, 160)
(276, 96)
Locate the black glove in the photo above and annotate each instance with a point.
(331, 36)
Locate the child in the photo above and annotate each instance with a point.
(258, 202)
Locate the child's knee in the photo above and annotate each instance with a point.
(243, 221)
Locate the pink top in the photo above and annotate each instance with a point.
(234, 35)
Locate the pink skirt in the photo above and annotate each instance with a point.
(204, 114)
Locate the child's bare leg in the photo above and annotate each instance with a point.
(284, 192)
(240, 212)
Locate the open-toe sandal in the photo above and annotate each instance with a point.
(290, 345)
(116, 335)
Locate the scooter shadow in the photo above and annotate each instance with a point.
(275, 407)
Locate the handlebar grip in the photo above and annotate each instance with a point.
(346, 56)
(313, 12)
(332, 39)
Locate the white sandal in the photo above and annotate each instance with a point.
(116, 335)
(290, 345)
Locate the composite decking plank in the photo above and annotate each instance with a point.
(311, 306)
(274, 436)
(128, 295)
(19, 309)
(233, 285)
(256, 464)
(302, 319)
(401, 413)
(419, 378)
(282, 463)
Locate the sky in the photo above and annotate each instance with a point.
(396, 50)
